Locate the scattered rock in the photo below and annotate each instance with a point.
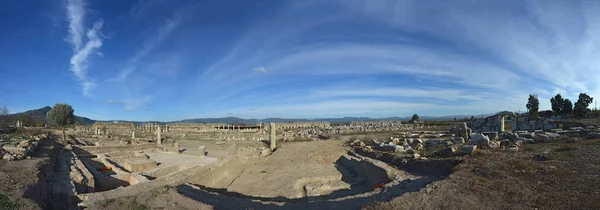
(358, 143)
(446, 152)
(418, 147)
(467, 149)
(518, 142)
(8, 157)
(458, 140)
(479, 139)
(265, 152)
(494, 144)
(433, 142)
(513, 148)
(505, 143)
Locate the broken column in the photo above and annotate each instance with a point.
(202, 151)
(133, 135)
(176, 147)
(158, 138)
(272, 136)
(464, 131)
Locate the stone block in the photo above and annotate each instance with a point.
(467, 149)
(202, 150)
(139, 165)
(136, 178)
(479, 139)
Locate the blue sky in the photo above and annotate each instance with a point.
(170, 60)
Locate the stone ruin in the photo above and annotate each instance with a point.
(21, 150)
(496, 123)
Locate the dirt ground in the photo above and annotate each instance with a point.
(569, 179)
(26, 184)
(15, 180)
(489, 179)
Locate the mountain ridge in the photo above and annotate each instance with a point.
(37, 116)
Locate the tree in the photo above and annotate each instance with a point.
(567, 107)
(61, 115)
(3, 111)
(581, 105)
(533, 105)
(557, 104)
(414, 118)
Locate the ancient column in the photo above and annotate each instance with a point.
(176, 147)
(158, 138)
(502, 123)
(133, 135)
(272, 136)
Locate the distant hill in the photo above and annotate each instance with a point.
(230, 120)
(37, 117)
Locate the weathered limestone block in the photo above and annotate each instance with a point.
(136, 178)
(202, 151)
(176, 147)
(458, 140)
(479, 139)
(467, 149)
(138, 165)
(512, 148)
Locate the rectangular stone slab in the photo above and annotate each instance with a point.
(139, 165)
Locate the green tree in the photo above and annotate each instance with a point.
(533, 105)
(567, 107)
(61, 115)
(557, 104)
(414, 118)
(581, 105)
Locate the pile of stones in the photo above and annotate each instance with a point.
(22, 150)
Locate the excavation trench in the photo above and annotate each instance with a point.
(349, 175)
(338, 177)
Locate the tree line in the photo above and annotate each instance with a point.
(562, 106)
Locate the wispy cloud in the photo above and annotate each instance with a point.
(115, 102)
(260, 69)
(434, 93)
(82, 48)
(332, 108)
(483, 55)
(136, 91)
(162, 33)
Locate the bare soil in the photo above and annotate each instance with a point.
(492, 179)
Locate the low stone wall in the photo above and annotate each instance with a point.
(82, 177)
(92, 150)
(173, 179)
(303, 125)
